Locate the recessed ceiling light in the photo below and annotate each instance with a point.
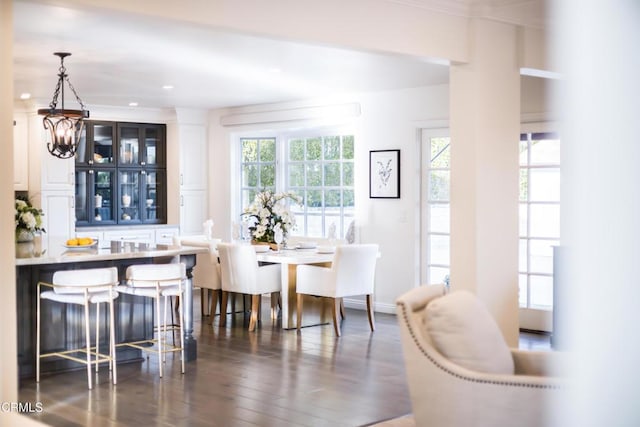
(133, 104)
(25, 95)
(167, 87)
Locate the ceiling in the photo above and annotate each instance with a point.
(118, 59)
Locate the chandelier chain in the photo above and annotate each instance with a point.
(62, 74)
(56, 92)
(75, 93)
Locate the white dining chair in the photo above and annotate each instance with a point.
(241, 273)
(81, 287)
(206, 273)
(207, 277)
(352, 273)
(157, 281)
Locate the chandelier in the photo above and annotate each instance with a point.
(65, 126)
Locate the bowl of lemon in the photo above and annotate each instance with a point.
(80, 243)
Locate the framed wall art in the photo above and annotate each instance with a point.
(384, 174)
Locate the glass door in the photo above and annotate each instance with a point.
(81, 195)
(103, 136)
(129, 196)
(103, 200)
(435, 206)
(129, 146)
(153, 190)
(151, 146)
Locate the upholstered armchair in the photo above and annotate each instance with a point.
(460, 370)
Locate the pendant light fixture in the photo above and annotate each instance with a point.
(65, 126)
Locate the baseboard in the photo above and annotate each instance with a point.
(360, 304)
(377, 307)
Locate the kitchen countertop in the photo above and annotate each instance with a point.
(57, 253)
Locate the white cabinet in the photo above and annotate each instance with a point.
(20, 153)
(150, 235)
(193, 157)
(58, 219)
(193, 212)
(193, 177)
(164, 236)
(57, 174)
(146, 235)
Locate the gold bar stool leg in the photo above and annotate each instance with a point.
(38, 337)
(97, 333)
(159, 331)
(112, 342)
(88, 339)
(182, 329)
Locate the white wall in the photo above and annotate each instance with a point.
(388, 120)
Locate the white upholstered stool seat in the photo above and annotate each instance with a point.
(81, 287)
(157, 281)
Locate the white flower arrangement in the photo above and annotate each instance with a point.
(28, 218)
(269, 213)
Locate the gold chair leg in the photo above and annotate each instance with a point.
(342, 308)
(372, 322)
(255, 307)
(299, 311)
(335, 308)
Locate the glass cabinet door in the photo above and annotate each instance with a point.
(129, 196)
(129, 145)
(103, 143)
(153, 190)
(81, 193)
(103, 200)
(151, 146)
(82, 153)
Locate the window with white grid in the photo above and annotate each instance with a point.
(539, 217)
(436, 205)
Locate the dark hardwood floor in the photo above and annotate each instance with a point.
(270, 377)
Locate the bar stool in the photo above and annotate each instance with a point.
(156, 281)
(82, 287)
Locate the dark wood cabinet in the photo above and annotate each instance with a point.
(121, 174)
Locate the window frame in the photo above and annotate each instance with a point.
(282, 138)
(526, 240)
(427, 264)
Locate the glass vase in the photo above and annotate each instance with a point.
(23, 235)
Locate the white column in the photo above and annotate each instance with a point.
(8, 357)
(597, 48)
(485, 126)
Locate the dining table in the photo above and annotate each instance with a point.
(289, 260)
